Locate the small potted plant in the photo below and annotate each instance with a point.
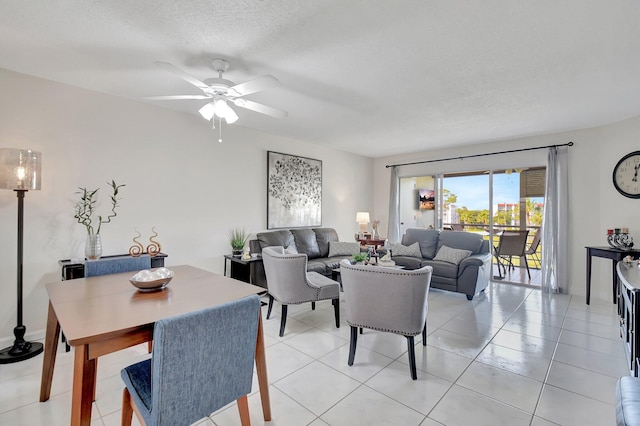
(359, 258)
(237, 238)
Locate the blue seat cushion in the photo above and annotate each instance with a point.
(137, 378)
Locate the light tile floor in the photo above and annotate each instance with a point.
(512, 356)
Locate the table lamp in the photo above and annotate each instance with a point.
(362, 218)
(19, 171)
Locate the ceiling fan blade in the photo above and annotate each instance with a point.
(183, 75)
(263, 109)
(176, 97)
(255, 85)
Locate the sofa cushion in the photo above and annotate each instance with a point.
(426, 238)
(401, 250)
(282, 238)
(317, 265)
(306, 242)
(339, 248)
(462, 240)
(442, 269)
(451, 255)
(324, 236)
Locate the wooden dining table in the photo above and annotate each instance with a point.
(104, 314)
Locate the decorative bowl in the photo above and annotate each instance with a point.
(147, 280)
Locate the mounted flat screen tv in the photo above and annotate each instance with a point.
(426, 200)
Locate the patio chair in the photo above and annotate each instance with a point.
(289, 283)
(532, 250)
(386, 299)
(201, 362)
(511, 243)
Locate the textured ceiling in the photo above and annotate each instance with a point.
(372, 77)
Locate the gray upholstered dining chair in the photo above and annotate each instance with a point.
(201, 361)
(386, 299)
(289, 283)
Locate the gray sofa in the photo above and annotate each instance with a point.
(471, 276)
(312, 242)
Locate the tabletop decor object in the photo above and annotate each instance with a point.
(619, 238)
(147, 280)
(20, 171)
(85, 209)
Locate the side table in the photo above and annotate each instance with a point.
(243, 270)
(373, 242)
(616, 255)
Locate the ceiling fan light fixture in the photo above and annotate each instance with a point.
(207, 111)
(231, 116)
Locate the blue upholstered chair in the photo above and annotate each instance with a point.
(201, 361)
(386, 299)
(115, 265)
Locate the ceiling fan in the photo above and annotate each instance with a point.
(222, 92)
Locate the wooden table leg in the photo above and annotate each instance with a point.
(261, 367)
(50, 349)
(84, 377)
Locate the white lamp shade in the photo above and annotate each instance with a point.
(20, 169)
(362, 217)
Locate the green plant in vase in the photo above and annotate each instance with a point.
(85, 215)
(238, 238)
(359, 257)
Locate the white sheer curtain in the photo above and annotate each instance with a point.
(554, 223)
(393, 233)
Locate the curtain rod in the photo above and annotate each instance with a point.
(480, 155)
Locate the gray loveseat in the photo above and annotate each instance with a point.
(312, 242)
(470, 276)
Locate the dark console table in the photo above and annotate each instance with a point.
(616, 255)
(244, 270)
(72, 269)
(629, 310)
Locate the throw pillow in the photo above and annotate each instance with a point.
(339, 248)
(291, 250)
(451, 255)
(413, 250)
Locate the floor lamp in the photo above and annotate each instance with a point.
(19, 171)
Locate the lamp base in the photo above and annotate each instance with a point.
(21, 350)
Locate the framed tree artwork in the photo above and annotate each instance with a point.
(294, 191)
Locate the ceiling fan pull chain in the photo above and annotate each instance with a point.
(220, 127)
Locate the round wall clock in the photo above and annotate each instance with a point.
(625, 175)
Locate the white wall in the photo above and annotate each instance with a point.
(179, 179)
(594, 204)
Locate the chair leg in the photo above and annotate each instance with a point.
(270, 306)
(352, 344)
(527, 265)
(424, 334)
(336, 311)
(127, 410)
(313, 306)
(412, 357)
(150, 346)
(243, 408)
(283, 319)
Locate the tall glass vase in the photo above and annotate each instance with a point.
(93, 247)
